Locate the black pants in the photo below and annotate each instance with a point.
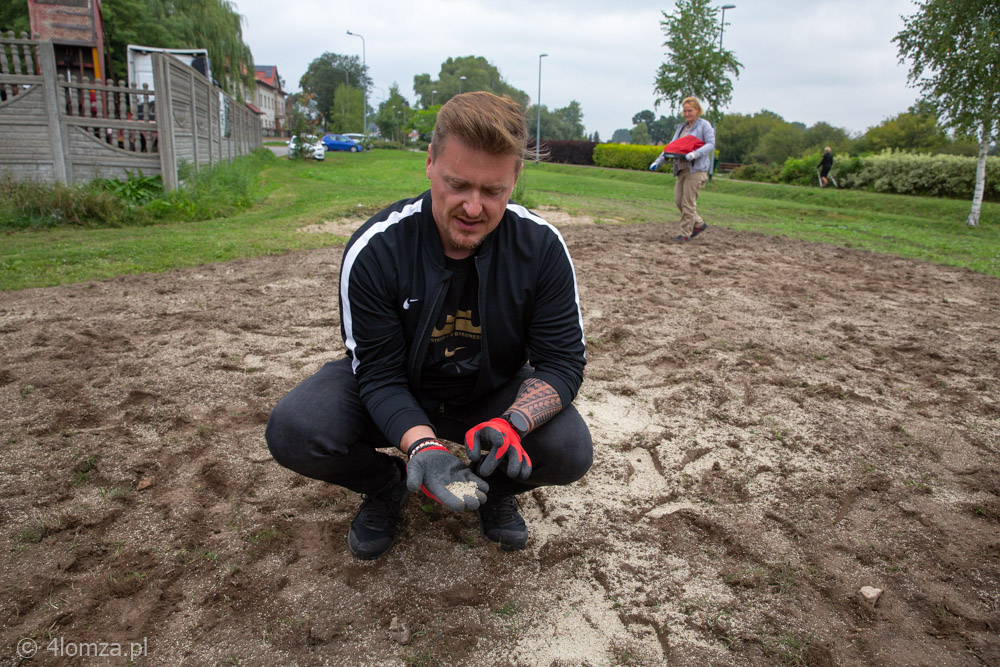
(322, 430)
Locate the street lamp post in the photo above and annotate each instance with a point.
(460, 80)
(722, 28)
(433, 93)
(364, 85)
(538, 105)
(715, 112)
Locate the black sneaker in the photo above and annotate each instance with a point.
(499, 521)
(373, 530)
(680, 238)
(699, 230)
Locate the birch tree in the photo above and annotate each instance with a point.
(954, 51)
(696, 64)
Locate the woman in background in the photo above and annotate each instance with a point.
(692, 171)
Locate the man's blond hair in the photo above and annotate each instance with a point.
(483, 121)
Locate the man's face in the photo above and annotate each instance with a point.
(470, 189)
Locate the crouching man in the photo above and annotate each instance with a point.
(461, 317)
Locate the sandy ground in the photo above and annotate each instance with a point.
(777, 425)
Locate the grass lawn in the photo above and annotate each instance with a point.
(295, 194)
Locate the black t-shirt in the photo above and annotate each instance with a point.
(454, 351)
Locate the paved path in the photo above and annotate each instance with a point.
(280, 151)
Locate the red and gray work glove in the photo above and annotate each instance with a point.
(500, 438)
(432, 469)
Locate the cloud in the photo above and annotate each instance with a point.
(829, 60)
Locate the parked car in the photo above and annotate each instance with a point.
(316, 151)
(362, 140)
(341, 142)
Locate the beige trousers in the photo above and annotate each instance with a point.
(686, 197)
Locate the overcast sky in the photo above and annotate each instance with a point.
(807, 60)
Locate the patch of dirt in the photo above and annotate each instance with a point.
(777, 425)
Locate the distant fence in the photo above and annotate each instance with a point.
(53, 129)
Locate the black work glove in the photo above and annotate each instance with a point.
(498, 436)
(432, 469)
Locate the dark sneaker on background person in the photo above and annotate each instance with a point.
(680, 238)
(699, 229)
(373, 531)
(499, 521)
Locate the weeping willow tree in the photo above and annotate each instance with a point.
(182, 24)
(13, 16)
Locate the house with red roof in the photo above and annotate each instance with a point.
(269, 98)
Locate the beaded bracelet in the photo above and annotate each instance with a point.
(423, 443)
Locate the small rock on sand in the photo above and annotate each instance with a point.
(870, 594)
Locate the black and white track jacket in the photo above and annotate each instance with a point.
(393, 282)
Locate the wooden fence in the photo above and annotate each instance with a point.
(54, 129)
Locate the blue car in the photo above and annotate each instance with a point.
(338, 142)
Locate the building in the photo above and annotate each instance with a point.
(76, 30)
(270, 99)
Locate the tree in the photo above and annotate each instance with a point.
(571, 116)
(182, 24)
(14, 17)
(303, 116)
(479, 75)
(640, 135)
(695, 63)
(661, 131)
(622, 135)
(956, 64)
(564, 124)
(326, 74)
(424, 120)
(346, 114)
(740, 135)
(823, 134)
(782, 141)
(914, 130)
(393, 115)
(645, 116)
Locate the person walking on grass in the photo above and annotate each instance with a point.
(460, 313)
(692, 171)
(825, 164)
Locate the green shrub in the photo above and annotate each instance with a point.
(218, 191)
(30, 204)
(756, 171)
(951, 176)
(135, 190)
(895, 172)
(390, 145)
(801, 171)
(625, 156)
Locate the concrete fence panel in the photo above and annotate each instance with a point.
(53, 129)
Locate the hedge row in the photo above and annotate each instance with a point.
(891, 172)
(626, 156)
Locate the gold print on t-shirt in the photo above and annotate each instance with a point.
(457, 325)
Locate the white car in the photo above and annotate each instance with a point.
(316, 151)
